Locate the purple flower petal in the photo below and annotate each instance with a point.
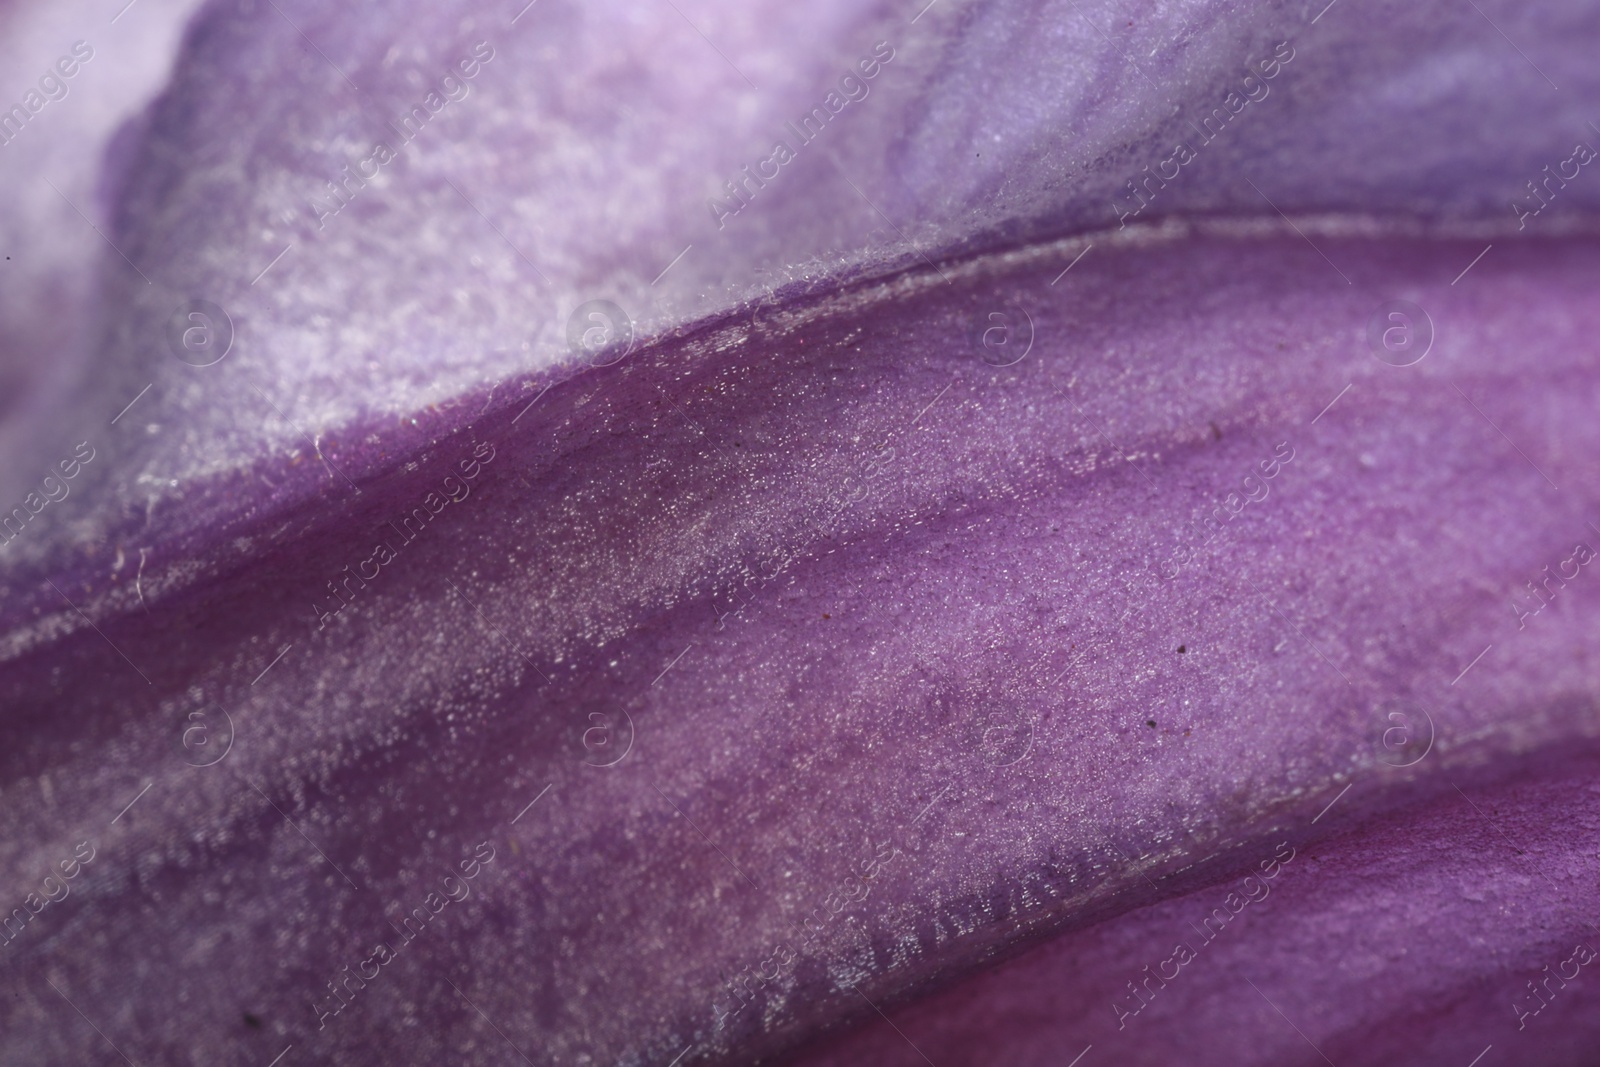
(946, 569)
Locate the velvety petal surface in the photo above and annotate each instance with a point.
(944, 576)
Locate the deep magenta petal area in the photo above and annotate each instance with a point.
(775, 676)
